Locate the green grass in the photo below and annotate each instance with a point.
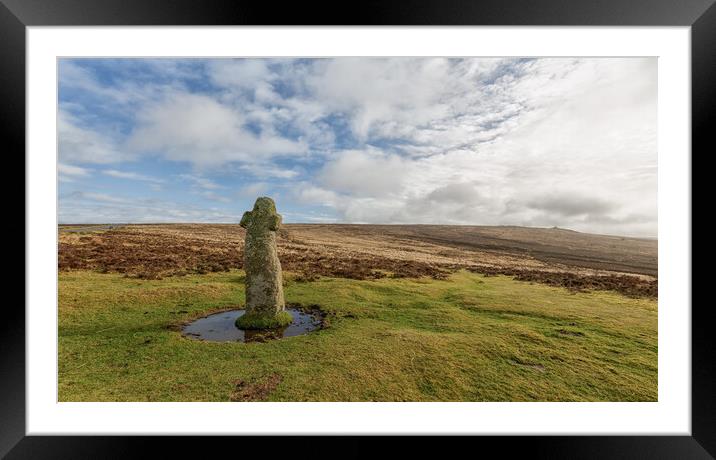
(469, 338)
(253, 321)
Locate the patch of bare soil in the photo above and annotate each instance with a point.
(555, 257)
(536, 367)
(255, 391)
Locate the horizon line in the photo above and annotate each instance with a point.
(555, 227)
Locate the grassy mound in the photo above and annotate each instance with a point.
(254, 321)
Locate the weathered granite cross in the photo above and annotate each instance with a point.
(265, 306)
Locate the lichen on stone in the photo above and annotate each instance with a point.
(264, 282)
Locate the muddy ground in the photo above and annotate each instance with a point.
(556, 257)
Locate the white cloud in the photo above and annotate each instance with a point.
(82, 145)
(205, 188)
(376, 91)
(461, 193)
(131, 176)
(213, 196)
(199, 181)
(244, 73)
(267, 170)
(68, 173)
(93, 196)
(364, 173)
(310, 194)
(131, 89)
(79, 208)
(197, 129)
(434, 103)
(254, 190)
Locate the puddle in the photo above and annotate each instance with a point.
(221, 327)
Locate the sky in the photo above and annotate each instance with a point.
(545, 142)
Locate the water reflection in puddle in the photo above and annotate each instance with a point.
(221, 327)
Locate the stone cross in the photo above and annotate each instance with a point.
(265, 306)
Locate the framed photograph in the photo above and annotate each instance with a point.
(425, 218)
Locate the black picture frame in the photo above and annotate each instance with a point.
(700, 15)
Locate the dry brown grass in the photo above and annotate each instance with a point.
(551, 256)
